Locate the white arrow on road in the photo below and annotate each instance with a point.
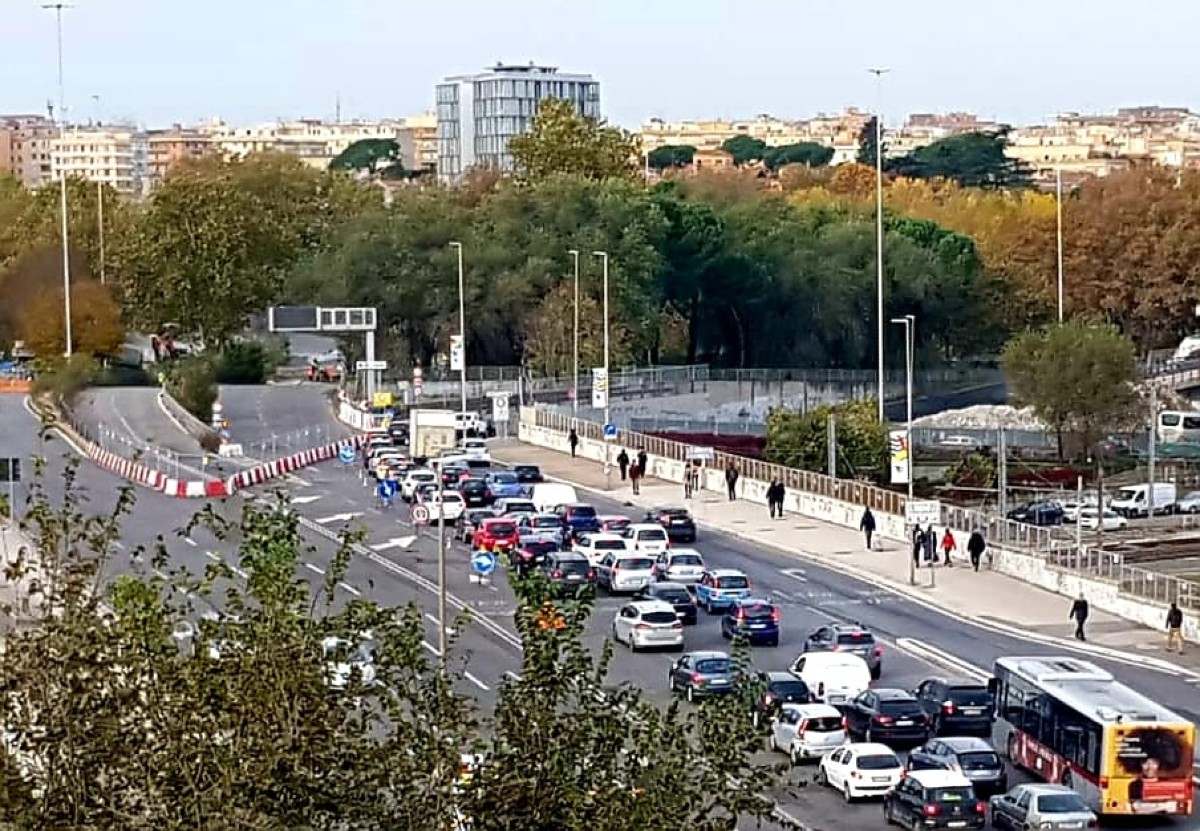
(394, 542)
(304, 500)
(325, 520)
(796, 574)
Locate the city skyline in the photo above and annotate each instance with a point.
(144, 62)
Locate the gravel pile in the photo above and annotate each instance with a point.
(983, 416)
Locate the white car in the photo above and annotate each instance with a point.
(1090, 520)
(445, 505)
(511, 507)
(646, 538)
(645, 624)
(343, 659)
(860, 769)
(1072, 506)
(414, 479)
(598, 546)
(680, 565)
(807, 731)
(475, 449)
(624, 571)
(833, 677)
(1189, 504)
(958, 441)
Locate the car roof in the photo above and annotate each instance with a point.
(668, 509)
(644, 526)
(813, 709)
(939, 778)
(781, 675)
(652, 606)
(966, 744)
(496, 519)
(870, 749)
(958, 682)
(667, 585)
(893, 694)
(604, 537)
(524, 465)
(689, 551)
(1044, 788)
(834, 659)
(752, 601)
(848, 627)
(726, 572)
(702, 654)
(568, 555)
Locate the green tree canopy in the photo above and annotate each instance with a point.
(801, 440)
(562, 141)
(867, 144)
(971, 159)
(1076, 376)
(745, 149)
(671, 155)
(806, 153)
(367, 155)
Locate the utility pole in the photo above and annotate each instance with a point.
(879, 73)
(1002, 472)
(831, 437)
(100, 203)
(909, 322)
(1151, 454)
(462, 329)
(603, 256)
(1059, 240)
(575, 351)
(443, 622)
(62, 179)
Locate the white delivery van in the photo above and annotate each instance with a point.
(1134, 500)
(833, 677)
(547, 496)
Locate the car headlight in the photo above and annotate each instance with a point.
(1045, 825)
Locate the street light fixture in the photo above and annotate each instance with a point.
(909, 322)
(879, 73)
(603, 256)
(575, 351)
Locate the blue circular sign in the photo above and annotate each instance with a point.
(610, 431)
(484, 562)
(346, 454)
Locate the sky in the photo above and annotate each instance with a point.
(158, 62)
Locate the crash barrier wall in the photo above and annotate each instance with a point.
(16, 385)
(191, 425)
(266, 471)
(1023, 552)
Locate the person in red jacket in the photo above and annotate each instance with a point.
(948, 544)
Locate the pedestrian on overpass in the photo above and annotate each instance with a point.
(1079, 613)
(635, 477)
(867, 525)
(573, 440)
(975, 548)
(1174, 628)
(731, 478)
(643, 461)
(930, 540)
(918, 545)
(775, 494)
(949, 544)
(623, 462)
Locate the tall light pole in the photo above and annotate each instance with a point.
(603, 255)
(100, 204)
(62, 176)
(909, 322)
(575, 351)
(879, 73)
(1059, 238)
(462, 327)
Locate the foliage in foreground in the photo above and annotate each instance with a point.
(136, 704)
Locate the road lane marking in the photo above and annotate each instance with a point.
(939, 657)
(117, 544)
(512, 676)
(212, 555)
(431, 648)
(433, 620)
(476, 681)
(350, 589)
(796, 574)
(317, 569)
(190, 541)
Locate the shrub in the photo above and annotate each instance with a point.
(65, 378)
(210, 442)
(243, 363)
(193, 383)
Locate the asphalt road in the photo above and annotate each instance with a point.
(285, 413)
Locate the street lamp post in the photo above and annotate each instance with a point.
(1059, 238)
(909, 322)
(462, 327)
(62, 180)
(603, 255)
(100, 205)
(879, 73)
(575, 351)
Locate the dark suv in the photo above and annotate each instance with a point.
(973, 757)
(528, 474)
(957, 706)
(887, 715)
(677, 595)
(677, 522)
(779, 687)
(852, 638)
(568, 573)
(934, 799)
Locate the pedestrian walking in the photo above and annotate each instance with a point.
(867, 526)
(573, 440)
(975, 548)
(635, 477)
(623, 463)
(731, 478)
(643, 462)
(1079, 613)
(780, 493)
(949, 544)
(1175, 629)
(689, 480)
(918, 545)
(930, 540)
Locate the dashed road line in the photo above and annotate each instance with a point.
(351, 589)
(316, 569)
(190, 542)
(430, 647)
(476, 681)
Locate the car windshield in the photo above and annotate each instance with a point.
(519, 507)
(952, 795)
(504, 478)
(877, 762)
(608, 545)
(573, 566)
(756, 610)
(659, 617)
(544, 522)
(1060, 803)
(855, 639)
(970, 696)
(527, 470)
(636, 563)
(618, 523)
(673, 595)
(582, 511)
(791, 690)
(651, 534)
(735, 582)
(713, 666)
(686, 560)
(541, 546)
(979, 760)
(505, 528)
(823, 724)
(898, 706)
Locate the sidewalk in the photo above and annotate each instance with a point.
(20, 598)
(987, 597)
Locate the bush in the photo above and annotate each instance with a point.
(193, 383)
(65, 378)
(210, 442)
(243, 363)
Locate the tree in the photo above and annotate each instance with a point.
(808, 153)
(95, 322)
(671, 155)
(971, 159)
(367, 155)
(1076, 376)
(801, 440)
(745, 149)
(550, 335)
(868, 146)
(562, 141)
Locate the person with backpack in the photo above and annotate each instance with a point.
(975, 548)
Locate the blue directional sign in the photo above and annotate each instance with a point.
(346, 454)
(386, 488)
(610, 431)
(484, 562)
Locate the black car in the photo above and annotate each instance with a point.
(568, 573)
(399, 432)
(470, 521)
(452, 473)
(1044, 512)
(528, 474)
(475, 493)
(677, 595)
(779, 687)
(957, 706)
(975, 758)
(678, 523)
(887, 715)
(929, 799)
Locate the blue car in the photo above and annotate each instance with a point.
(504, 485)
(753, 619)
(720, 588)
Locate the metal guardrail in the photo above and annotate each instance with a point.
(1133, 580)
(922, 378)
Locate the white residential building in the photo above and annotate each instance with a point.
(116, 156)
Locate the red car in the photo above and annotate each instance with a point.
(496, 531)
(614, 523)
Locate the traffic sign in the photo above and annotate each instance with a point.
(923, 512)
(346, 454)
(420, 514)
(610, 431)
(370, 366)
(499, 406)
(484, 562)
(697, 451)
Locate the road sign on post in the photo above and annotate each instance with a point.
(484, 563)
(346, 454)
(610, 432)
(706, 454)
(418, 381)
(458, 355)
(923, 512)
(500, 404)
(420, 515)
(599, 388)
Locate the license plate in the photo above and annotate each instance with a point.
(1070, 825)
(573, 578)
(904, 722)
(883, 779)
(973, 711)
(718, 682)
(836, 699)
(958, 823)
(758, 626)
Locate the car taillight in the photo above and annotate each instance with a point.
(616, 567)
(981, 807)
(741, 615)
(845, 723)
(821, 688)
(697, 678)
(836, 648)
(677, 625)
(931, 809)
(768, 699)
(591, 575)
(878, 651)
(883, 719)
(948, 707)
(557, 575)
(775, 616)
(644, 626)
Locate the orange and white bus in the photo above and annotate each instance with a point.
(1070, 722)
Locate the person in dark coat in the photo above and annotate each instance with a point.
(975, 548)
(643, 461)
(867, 526)
(635, 477)
(573, 440)
(930, 540)
(1079, 613)
(775, 499)
(731, 478)
(918, 545)
(623, 463)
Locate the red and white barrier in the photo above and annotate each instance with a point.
(135, 472)
(259, 474)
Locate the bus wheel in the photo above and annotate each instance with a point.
(1012, 750)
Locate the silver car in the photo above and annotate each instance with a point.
(1036, 805)
(679, 565)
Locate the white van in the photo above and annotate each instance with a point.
(1134, 500)
(833, 677)
(546, 496)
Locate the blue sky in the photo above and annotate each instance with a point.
(162, 61)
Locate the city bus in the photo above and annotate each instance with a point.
(1070, 722)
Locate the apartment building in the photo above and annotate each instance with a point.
(838, 131)
(25, 147)
(478, 114)
(167, 148)
(115, 156)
